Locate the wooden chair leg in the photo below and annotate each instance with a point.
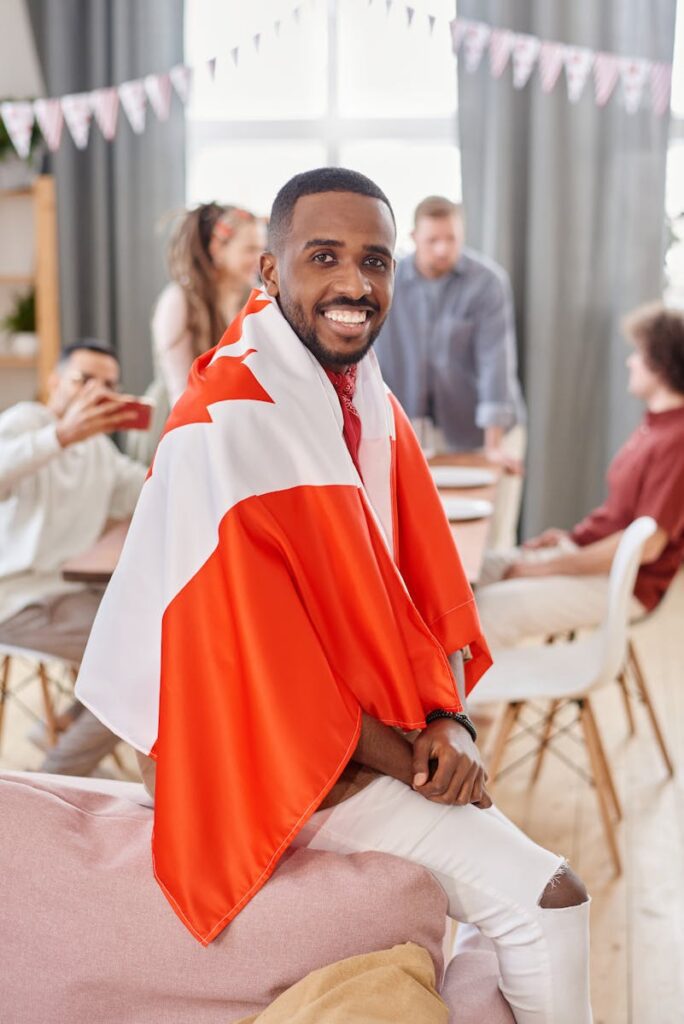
(548, 725)
(602, 790)
(607, 770)
(646, 697)
(50, 715)
(4, 688)
(509, 719)
(622, 680)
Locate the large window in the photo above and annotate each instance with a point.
(674, 198)
(347, 83)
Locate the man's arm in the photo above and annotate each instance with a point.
(592, 560)
(24, 449)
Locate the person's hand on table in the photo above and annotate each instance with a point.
(95, 410)
(548, 539)
(508, 463)
(459, 776)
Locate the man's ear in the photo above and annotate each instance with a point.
(268, 268)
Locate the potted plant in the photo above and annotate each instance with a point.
(15, 172)
(20, 325)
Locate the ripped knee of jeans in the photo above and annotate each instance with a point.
(565, 889)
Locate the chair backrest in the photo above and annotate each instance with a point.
(623, 572)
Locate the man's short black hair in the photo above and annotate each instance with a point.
(322, 179)
(87, 345)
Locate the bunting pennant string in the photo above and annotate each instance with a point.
(640, 78)
(643, 83)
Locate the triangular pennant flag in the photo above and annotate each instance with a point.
(211, 68)
(410, 15)
(459, 27)
(661, 84)
(296, 14)
(500, 46)
(50, 121)
(235, 54)
(606, 73)
(474, 43)
(550, 64)
(18, 118)
(578, 64)
(388, 5)
(77, 114)
(257, 41)
(525, 52)
(431, 22)
(634, 74)
(134, 99)
(104, 104)
(158, 89)
(181, 77)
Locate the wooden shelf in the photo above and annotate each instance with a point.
(23, 190)
(10, 362)
(17, 279)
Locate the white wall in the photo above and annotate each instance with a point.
(20, 74)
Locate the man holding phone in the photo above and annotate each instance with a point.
(61, 481)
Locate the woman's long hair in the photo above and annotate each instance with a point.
(191, 266)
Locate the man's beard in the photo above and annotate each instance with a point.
(294, 314)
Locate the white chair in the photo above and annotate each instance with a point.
(567, 672)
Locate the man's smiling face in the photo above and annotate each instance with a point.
(333, 274)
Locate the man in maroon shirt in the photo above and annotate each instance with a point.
(559, 580)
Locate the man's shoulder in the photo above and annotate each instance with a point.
(477, 265)
(25, 416)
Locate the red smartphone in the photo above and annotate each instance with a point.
(143, 408)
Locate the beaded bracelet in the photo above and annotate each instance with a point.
(455, 716)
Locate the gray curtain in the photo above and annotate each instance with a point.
(570, 199)
(112, 195)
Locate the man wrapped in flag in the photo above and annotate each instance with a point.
(289, 605)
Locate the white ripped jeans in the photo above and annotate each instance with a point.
(494, 878)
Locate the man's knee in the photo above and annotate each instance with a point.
(564, 890)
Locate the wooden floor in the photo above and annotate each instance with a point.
(638, 919)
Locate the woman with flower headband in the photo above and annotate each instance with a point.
(213, 261)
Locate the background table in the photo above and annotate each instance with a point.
(471, 536)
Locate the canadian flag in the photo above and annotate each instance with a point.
(158, 88)
(634, 74)
(551, 56)
(105, 106)
(578, 64)
(661, 83)
(181, 77)
(500, 46)
(606, 73)
(50, 121)
(18, 118)
(133, 99)
(525, 52)
(77, 114)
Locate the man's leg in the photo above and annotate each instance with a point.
(60, 626)
(529, 607)
(503, 528)
(521, 897)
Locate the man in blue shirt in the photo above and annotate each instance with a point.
(447, 350)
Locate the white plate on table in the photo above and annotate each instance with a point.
(462, 509)
(462, 476)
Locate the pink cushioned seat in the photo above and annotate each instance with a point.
(87, 935)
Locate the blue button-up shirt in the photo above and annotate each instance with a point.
(447, 349)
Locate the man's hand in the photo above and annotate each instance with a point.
(548, 539)
(508, 463)
(523, 570)
(459, 777)
(95, 410)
